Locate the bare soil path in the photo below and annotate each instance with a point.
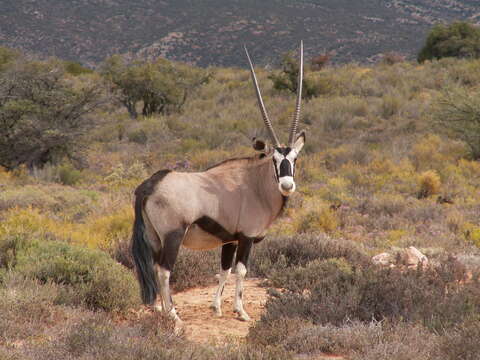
(203, 326)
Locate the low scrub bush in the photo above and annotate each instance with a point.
(138, 136)
(68, 175)
(391, 105)
(273, 255)
(90, 334)
(315, 219)
(70, 202)
(366, 341)
(97, 336)
(461, 342)
(109, 232)
(129, 176)
(304, 278)
(195, 268)
(337, 291)
(26, 196)
(351, 339)
(429, 184)
(26, 307)
(89, 277)
(383, 204)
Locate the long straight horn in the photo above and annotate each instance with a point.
(296, 114)
(268, 124)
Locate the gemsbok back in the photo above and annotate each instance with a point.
(230, 205)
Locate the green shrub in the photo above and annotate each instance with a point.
(76, 69)
(47, 115)
(138, 136)
(458, 114)
(68, 175)
(11, 245)
(91, 277)
(459, 39)
(287, 79)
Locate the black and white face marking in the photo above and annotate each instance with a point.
(284, 162)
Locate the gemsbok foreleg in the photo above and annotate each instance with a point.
(171, 245)
(241, 260)
(228, 251)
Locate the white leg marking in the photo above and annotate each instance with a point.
(164, 279)
(217, 300)
(238, 302)
(158, 305)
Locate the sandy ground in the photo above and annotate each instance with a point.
(202, 325)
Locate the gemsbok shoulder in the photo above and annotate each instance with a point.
(230, 205)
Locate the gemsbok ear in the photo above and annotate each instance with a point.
(259, 145)
(298, 145)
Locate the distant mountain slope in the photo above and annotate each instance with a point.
(211, 32)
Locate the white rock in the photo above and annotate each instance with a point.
(382, 259)
(413, 257)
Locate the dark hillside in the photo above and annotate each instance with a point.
(211, 32)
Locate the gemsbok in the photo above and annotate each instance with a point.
(231, 205)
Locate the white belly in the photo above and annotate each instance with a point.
(197, 239)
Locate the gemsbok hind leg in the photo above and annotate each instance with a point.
(171, 245)
(228, 251)
(244, 247)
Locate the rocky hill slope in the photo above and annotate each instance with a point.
(211, 32)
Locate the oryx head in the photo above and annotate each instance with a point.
(284, 157)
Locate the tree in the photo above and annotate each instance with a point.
(43, 115)
(287, 78)
(458, 114)
(74, 68)
(161, 86)
(7, 56)
(459, 39)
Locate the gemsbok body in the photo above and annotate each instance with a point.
(230, 205)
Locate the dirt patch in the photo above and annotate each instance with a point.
(202, 325)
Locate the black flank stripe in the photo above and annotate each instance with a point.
(212, 227)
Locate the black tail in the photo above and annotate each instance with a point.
(143, 255)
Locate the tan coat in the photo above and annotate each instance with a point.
(240, 194)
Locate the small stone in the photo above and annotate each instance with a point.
(383, 259)
(412, 257)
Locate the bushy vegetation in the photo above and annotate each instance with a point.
(44, 115)
(459, 39)
(88, 277)
(287, 78)
(458, 115)
(161, 86)
(377, 174)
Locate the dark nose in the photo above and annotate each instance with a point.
(287, 186)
